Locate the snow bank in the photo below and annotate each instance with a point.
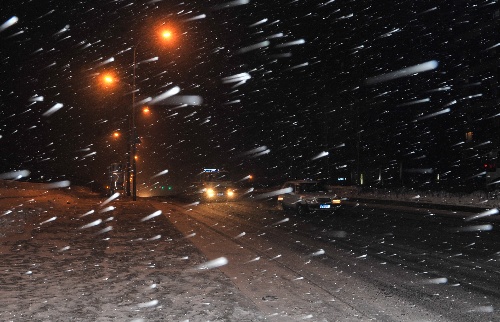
(475, 199)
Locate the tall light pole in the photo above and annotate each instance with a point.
(166, 34)
(131, 170)
(133, 135)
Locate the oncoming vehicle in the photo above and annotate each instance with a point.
(216, 185)
(305, 196)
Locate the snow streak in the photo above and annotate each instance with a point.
(405, 72)
(154, 214)
(218, 262)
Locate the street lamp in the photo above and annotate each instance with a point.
(167, 35)
(108, 79)
(133, 136)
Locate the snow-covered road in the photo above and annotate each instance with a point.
(68, 255)
(360, 264)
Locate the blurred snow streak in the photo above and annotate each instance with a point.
(486, 227)
(202, 16)
(218, 262)
(240, 235)
(9, 23)
(53, 109)
(273, 193)
(483, 214)
(113, 197)
(193, 100)
(253, 151)
(439, 280)
(14, 175)
(291, 43)
(171, 92)
(231, 4)
(48, 220)
(154, 214)
(320, 155)
(319, 252)
(148, 304)
(105, 230)
(110, 208)
(87, 213)
(281, 221)
(92, 224)
(54, 185)
(446, 110)
(483, 309)
(262, 44)
(254, 260)
(430, 65)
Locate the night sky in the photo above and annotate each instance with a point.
(282, 84)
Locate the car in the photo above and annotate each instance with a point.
(306, 196)
(218, 193)
(215, 185)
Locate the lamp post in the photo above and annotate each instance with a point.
(131, 169)
(133, 135)
(165, 34)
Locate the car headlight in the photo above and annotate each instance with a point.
(230, 193)
(210, 193)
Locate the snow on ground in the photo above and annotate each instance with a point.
(475, 199)
(67, 256)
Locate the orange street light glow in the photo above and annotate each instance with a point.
(116, 134)
(145, 110)
(166, 34)
(108, 79)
